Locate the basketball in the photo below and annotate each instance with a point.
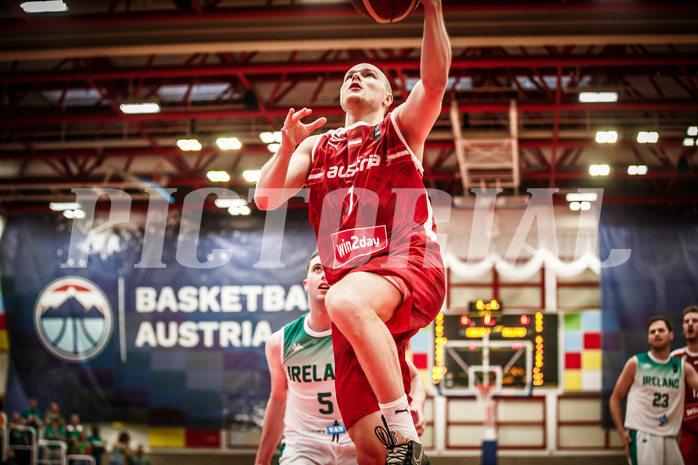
(385, 11)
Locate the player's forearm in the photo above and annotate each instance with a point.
(417, 390)
(271, 432)
(436, 49)
(691, 376)
(272, 180)
(616, 414)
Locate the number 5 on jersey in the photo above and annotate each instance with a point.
(324, 399)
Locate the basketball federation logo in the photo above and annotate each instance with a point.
(73, 319)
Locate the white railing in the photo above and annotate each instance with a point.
(77, 459)
(18, 444)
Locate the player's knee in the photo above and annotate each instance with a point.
(343, 310)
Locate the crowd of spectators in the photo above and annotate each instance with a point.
(53, 428)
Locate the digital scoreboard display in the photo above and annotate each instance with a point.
(517, 351)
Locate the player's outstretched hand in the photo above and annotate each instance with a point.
(294, 131)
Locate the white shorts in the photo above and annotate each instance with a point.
(299, 450)
(649, 449)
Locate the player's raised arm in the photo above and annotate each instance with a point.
(276, 407)
(421, 109)
(285, 173)
(691, 376)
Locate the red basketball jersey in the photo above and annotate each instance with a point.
(367, 198)
(690, 413)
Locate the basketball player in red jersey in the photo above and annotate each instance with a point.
(689, 428)
(376, 237)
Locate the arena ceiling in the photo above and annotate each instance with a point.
(234, 67)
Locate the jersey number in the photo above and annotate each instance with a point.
(660, 400)
(323, 398)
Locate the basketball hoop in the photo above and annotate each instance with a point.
(484, 391)
(485, 394)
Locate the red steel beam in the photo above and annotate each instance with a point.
(181, 16)
(43, 119)
(444, 146)
(651, 174)
(325, 10)
(447, 176)
(164, 152)
(509, 62)
(567, 144)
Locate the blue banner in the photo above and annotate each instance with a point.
(171, 344)
(661, 277)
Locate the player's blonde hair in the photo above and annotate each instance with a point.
(307, 267)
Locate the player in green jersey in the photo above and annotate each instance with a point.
(303, 405)
(654, 383)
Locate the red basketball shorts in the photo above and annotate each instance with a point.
(423, 278)
(689, 447)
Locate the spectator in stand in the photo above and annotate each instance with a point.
(54, 412)
(74, 428)
(139, 457)
(32, 415)
(81, 446)
(121, 451)
(54, 432)
(16, 420)
(97, 444)
(21, 438)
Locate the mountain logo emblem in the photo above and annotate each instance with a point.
(73, 319)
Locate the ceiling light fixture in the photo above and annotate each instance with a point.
(189, 145)
(72, 214)
(581, 197)
(270, 137)
(647, 137)
(692, 131)
(599, 170)
(606, 137)
(44, 7)
(598, 97)
(139, 108)
(228, 143)
(227, 203)
(251, 175)
(62, 206)
(236, 210)
(637, 170)
(218, 176)
(577, 206)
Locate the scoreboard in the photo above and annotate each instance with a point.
(516, 351)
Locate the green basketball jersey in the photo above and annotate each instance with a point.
(655, 399)
(311, 406)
